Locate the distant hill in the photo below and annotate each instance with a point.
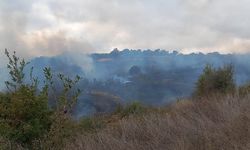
(154, 77)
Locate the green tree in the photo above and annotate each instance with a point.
(212, 80)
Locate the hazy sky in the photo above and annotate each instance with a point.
(49, 27)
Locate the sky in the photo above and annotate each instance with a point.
(50, 27)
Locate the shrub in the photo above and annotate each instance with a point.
(25, 116)
(131, 109)
(220, 80)
(62, 128)
(244, 89)
(24, 112)
(91, 124)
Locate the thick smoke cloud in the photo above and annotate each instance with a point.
(31, 29)
(49, 27)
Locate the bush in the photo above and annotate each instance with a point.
(131, 109)
(244, 89)
(220, 80)
(25, 115)
(91, 124)
(62, 128)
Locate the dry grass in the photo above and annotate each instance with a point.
(218, 122)
(9, 145)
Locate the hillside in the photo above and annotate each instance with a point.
(153, 77)
(216, 116)
(214, 123)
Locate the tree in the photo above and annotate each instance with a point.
(212, 80)
(134, 70)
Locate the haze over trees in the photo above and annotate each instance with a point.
(44, 116)
(152, 77)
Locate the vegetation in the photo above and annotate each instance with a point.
(218, 121)
(244, 90)
(212, 80)
(135, 108)
(25, 115)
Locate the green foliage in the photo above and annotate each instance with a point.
(24, 116)
(24, 112)
(213, 80)
(68, 96)
(62, 128)
(16, 68)
(131, 109)
(244, 90)
(91, 124)
(66, 99)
